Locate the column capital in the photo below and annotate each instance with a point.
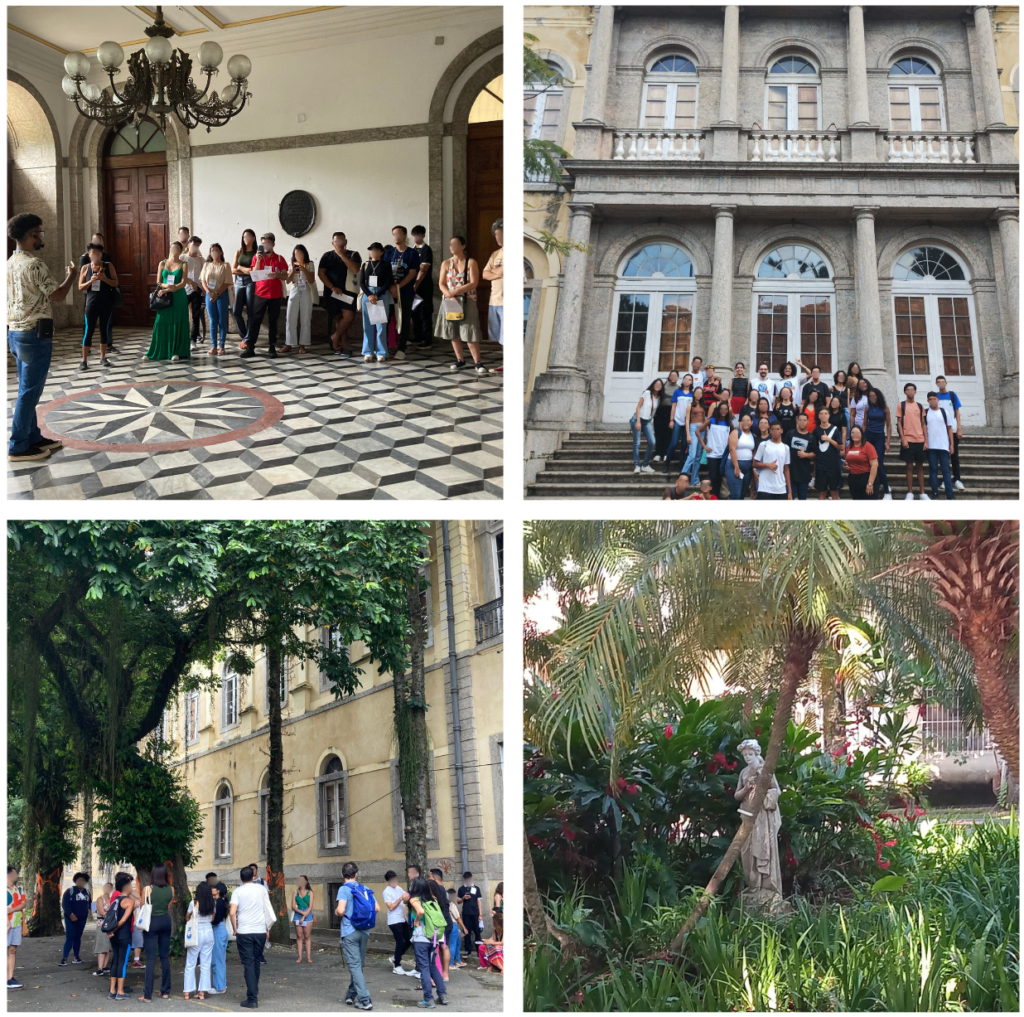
(723, 211)
(580, 208)
(865, 211)
(1002, 214)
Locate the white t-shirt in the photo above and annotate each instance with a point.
(251, 916)
(938, 436)
(399, 915)
(796, 384)
(684, 400)
(859, 408)
(773, 481)
(646, 405)
(699, 377)
(765, 388)
(195, 265)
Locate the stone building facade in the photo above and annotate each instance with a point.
(838, 184)
(341, 780)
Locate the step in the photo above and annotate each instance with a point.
(627, 490)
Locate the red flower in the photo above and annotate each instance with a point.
(621, 783)
(631, 789)
(757, 731)
(791, 858)
(668, 731)
(554, 695)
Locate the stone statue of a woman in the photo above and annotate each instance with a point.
(760, 852)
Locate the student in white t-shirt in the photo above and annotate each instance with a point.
(642, 423)
(771, 463)
(194, 262)
(249, 904)
(938, 441)
(396, 900)
(765, 387)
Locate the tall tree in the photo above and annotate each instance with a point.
(275, 799)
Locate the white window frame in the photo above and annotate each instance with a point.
(230, 704)
(791, 82)
(914, 83)
(334, 790)
(542, 91)
(672, 80)
(499, 585)
(223, 807)
(192, 700)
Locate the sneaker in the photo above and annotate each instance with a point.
(367, 359)
(250, 1004)
(398, 970)
(959, 485)
(272, 354)
(399, 355)
(636, 469)
(480, 369)
(361, 1005)
(425, 1005)
(104, 362)
(78, 960)
(111, 995)
(656, 459)
(111, 348)
(909, 496)
(646, 469)
(413, 974)
(458, 365)
(13, 983)
(887, 496)
(345, 354)
(350, 1002)
(443, 1000)
(63, 963)
(246, 353)
(121, 997)
(382, 360)
(138, 964)
(97, 973)
(175, 358)
(497, 370)
(84, 365)
(49, 446)
(924, 497)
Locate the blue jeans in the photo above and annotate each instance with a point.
(73, 936)
(219, 963)
(368, 334)
(218, 312)
(739, 487)
(647, 430)
(456, 946)
(32, 356)
(353, 948)
(696, 452)
(496, 324)
(877, 438)
(677, 434)
(939, 457)
(800, 489)
(426, 964)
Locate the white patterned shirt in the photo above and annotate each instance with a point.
(29, 285)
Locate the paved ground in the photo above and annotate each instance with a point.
(313, 426)
(284, 985)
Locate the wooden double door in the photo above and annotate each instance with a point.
(484, 165)
(137, 230)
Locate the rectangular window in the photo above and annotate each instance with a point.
(686, 107)
(911, 336)
(229, 701)
(778, 107)
(529, 113)
(816, 332)
(541, 114)
(333, 812)
(931, 109)
(676, 326)
(899, 109)
(499, 554)
(223, 830)
(772, 329)
(332, 640)
(807, 107)
(955, 330)
(654, 110)
(631, 332)
(191, 717)
(527, 297)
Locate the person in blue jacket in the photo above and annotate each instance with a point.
(77, 907)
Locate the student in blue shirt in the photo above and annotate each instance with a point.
(950, 402)
(405, 266)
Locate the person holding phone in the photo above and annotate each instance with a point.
(269, 287)
(97, 280)
(298, 317)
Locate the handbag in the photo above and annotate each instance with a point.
(192, 928)
(160, 303)
(454, 309)
(145, 912)
(268, 911)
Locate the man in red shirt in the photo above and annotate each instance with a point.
(269, 295)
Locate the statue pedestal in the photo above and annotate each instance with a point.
(763, 901)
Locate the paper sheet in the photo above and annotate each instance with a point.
(452, 305)
(377, 313)
(416, 301)
(260, 274)
(345, 298)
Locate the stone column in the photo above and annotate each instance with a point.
(566, 336)
(869, 309)
(728, 101)
(1009, 236)
(720, 319)
(596, 95)
(857, 68)
(989, 71)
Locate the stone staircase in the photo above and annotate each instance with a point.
(599, 464)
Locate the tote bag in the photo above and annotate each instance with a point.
(145, 914)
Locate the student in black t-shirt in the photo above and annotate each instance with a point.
(828, 474)
(440, 894)
(801, 456)
(339, 272)
(815, 383)
(423, 316)
(108, 331)
(469, 896)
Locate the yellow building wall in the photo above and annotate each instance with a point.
(563, 35)
(1006, 25)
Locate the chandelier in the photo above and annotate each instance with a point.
(159, 83)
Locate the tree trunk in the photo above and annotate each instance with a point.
(1002, 715)
(544, 929)
(47, 918)
(800, 647)
(411, 730)
(182, 897)
(279, 933)
(86, 863)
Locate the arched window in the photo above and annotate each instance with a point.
(792, 95)
(527, 290)
(333, 821)
(794, 317)
(222, 821)
(915, 96)
(132, 140)
(652, 325)
(670, 94)
(934, 326)
(542, 105)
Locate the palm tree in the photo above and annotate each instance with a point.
(689, 598)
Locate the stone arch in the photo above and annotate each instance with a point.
(324, 756)
(569, 71)
(978, 264)
(755, 250)
(545, 265)
(448, 90)
(673, 42)
(915, 44)
(38, 185)
(651, 232)
(793, 44)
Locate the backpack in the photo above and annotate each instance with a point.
(924, 409)
(364, 907)
(111, 918)
(433, 919)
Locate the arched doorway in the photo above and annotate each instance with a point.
(137, 231)
(484, 166)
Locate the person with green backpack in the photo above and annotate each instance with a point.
(428, 927)
(357, 908)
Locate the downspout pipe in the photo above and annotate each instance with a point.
(453, 677)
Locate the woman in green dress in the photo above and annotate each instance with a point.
(171, 328)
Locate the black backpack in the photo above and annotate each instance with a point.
(111, 918)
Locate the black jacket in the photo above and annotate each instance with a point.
(385, 280)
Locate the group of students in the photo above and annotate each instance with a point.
(394, 287)
(778, 438)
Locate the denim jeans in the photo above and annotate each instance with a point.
(250, 953)
(678, 438)
(201, 954)
(455, 945)
(939, 457)
(426, 964)
(696, 452)
(73, 935)
(219, 961)
(739, 486)
(647, 430)
(353, 948)
(245, 295)
(370, 332)
(158, 944)
(800, 489)
(877, 438)
(218, 312)
(32, 356)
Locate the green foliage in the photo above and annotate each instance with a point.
(149, 818)
(946, 940)
(15, 830)
(540, 158)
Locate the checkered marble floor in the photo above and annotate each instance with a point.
(314, 427)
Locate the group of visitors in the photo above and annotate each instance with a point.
(392, 289)
(780, 437)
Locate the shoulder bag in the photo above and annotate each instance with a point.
(158, 302)
(145, 914)
(192, 927)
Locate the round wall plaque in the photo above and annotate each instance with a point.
(297, 213)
